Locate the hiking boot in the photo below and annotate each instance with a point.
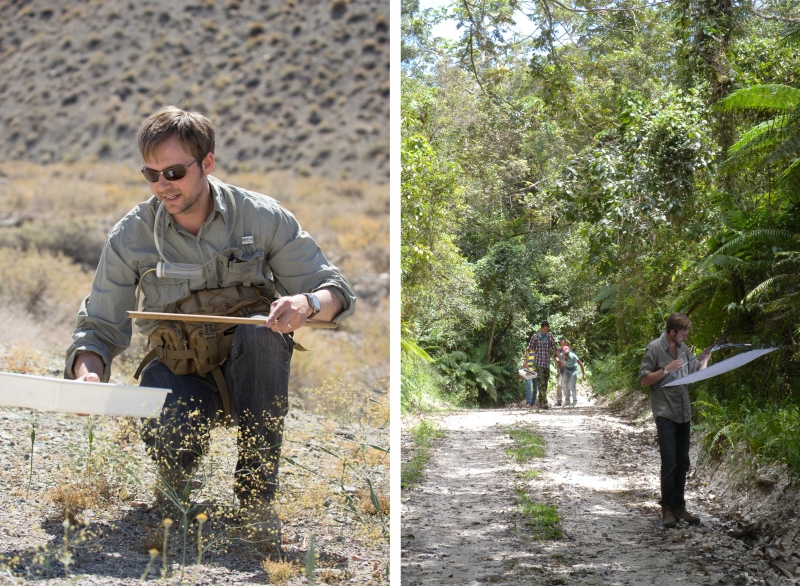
(260, 520)
(681, 514)
(667, 518)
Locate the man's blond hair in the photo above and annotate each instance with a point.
(678, 321)
(194, 131)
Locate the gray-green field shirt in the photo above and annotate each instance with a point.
(267, 248)
(670, 402)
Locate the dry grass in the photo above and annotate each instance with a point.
(90, 491)
(280, 572)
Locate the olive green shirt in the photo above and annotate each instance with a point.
(267, 248)
(670, 402)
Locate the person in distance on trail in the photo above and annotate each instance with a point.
(242, 253)
(570, 362)
(672, 411)
(559, 379)
(529, 363)
(542, 343)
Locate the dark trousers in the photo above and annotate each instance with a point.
(673, 444)
(257, 376)
(544, 378)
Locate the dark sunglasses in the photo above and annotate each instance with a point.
(170, 173)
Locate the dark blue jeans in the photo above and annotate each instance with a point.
(673, 444)
(530, 398)
(257, 375)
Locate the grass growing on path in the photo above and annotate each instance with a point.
(422, 435)
(542, 520)
(527, 445)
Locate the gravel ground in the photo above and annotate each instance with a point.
(461, 525)
(324, 494)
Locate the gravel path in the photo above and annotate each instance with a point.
(462, 525)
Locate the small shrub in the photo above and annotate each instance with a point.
(280, 572)
(89, 492)
(222, 81)
(368, 507)
(255, 29)
(93, 42)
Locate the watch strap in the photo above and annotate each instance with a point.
(315, 307)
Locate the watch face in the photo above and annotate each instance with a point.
(314, 301)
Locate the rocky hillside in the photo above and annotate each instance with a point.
(298, 85)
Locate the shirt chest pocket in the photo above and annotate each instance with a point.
(161, 294)
(237, 267)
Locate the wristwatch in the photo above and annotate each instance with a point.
(313, 302)
(666, 372)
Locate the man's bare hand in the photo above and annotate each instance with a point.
(88, 367)
(288, 313)
(674, 365)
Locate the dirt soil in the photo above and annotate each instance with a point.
(461, 525)
(118, 525)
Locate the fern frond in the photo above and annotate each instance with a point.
(789, 182)
(605, 293)
(453, 359)
(409, 348)
(793, 38)
(758, 133)
(766, 287)
(772, 97)
(769, 236)
(788, 149)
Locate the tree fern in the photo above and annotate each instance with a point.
(768, 97)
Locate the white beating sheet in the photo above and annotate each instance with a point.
(720, 367)
(69, 396)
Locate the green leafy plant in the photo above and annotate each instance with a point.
(468, 371)
(422, 435)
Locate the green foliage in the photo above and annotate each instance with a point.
(767, 431)
(421, 386)
(616, 372)
(470, 374)
(527, 445)
(543, 521)
(422, 435)
(773, 144)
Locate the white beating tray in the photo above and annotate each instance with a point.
(69, 396)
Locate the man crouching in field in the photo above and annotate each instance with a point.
(226, 251)
(672, 412)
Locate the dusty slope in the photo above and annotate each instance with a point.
(298, 85)
(461, 526)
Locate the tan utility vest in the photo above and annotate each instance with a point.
(190, 347)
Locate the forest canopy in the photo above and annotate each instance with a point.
(622, 161)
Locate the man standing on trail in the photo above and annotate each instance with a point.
(672, 412)
(541, 344)
(214, 248)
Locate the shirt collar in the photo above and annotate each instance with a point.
(665, 343)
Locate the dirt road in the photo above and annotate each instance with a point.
(461, 525)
